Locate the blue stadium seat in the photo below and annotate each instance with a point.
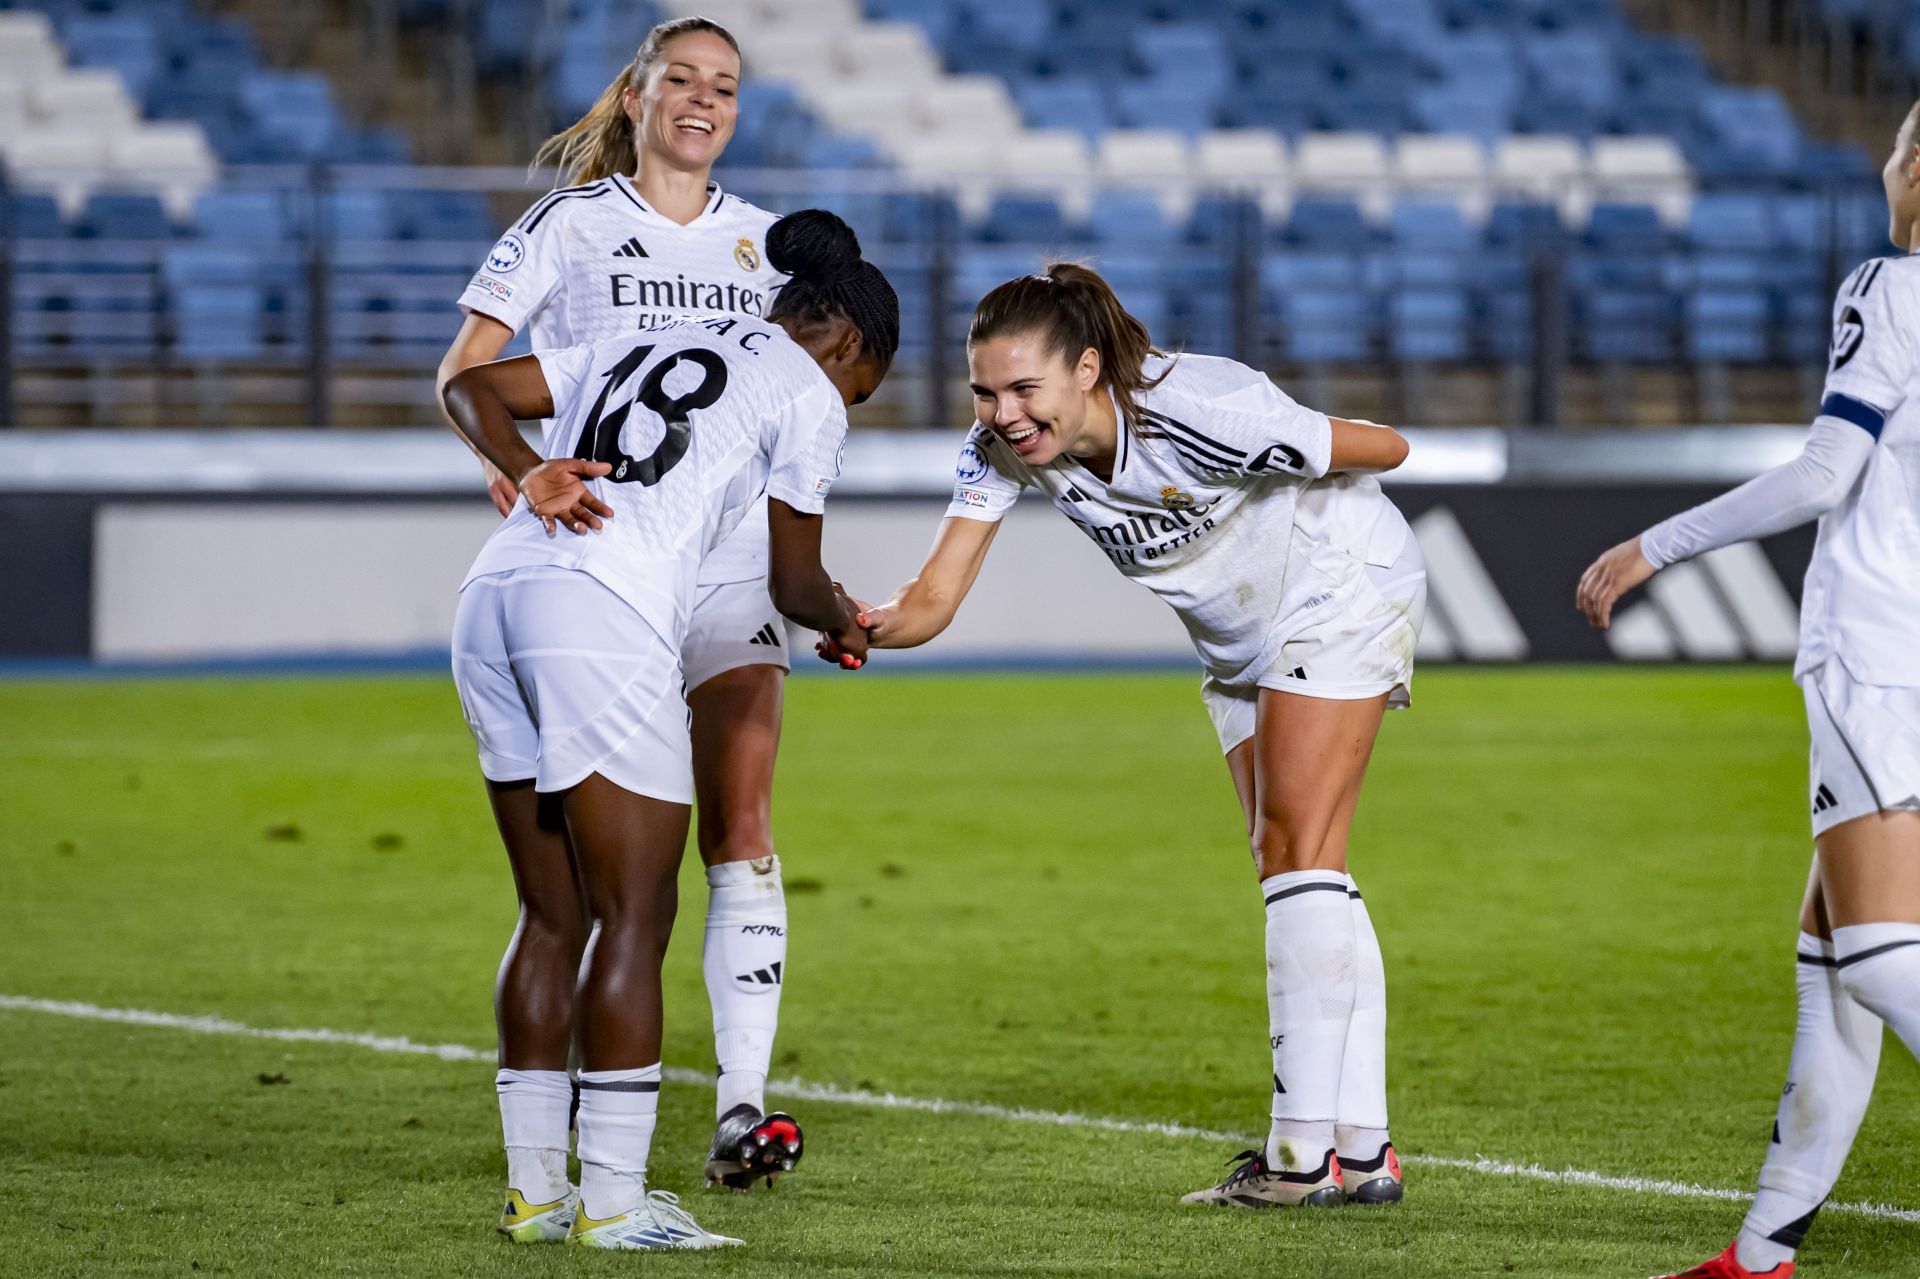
(1428, 324)
(1071, 102)
(1733, 221)
(1754, 125)
(1519, 225)
(1129, 219)
(1432, 225)
(1300, 271)
(217, 303)
(360, 215)
(34, 217)
(239, 217)
(914, 217)
(1155, 104)
(1363, 112)
(1327, 224)
(1627, 228)
(1217, 221)
(1023, 219)
(1727, 325)
(1482, 111)
(1326, 326)
(1021, 22)
(1576, 65)
(1627, 325)
(124, 216)
(1185, 55)
(128, 43)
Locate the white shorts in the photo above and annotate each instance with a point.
(734, 624)
(1866, 746)
(1362, 651)
(560, 678)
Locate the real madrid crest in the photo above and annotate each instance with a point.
(746, 255)
(1174, 500)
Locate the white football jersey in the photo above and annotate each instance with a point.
(1217, 504)
(1861, 601)
(595, 261)
(702, 420)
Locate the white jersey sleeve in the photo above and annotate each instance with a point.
(1873, 356)
(1224, 418)
(987, 478)
(1772, 502)
(809, 443)
(566, 373)
(523, 271)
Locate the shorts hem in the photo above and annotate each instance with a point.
(1329, 692)
(1826, 821)
(506, 768)
(547, 784)
(705, 674)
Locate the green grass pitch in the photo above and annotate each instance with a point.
(1029, 891)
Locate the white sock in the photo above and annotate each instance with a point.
(1836, 1050)
(617, 1113)
(744, 958)
(1880, 967)
(534, 1105)
(1361, 1130)
(1310, 991)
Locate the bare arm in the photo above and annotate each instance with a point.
(924, 606)
(1365, 446)
(484, 402)
(800, 586)
(480, 340)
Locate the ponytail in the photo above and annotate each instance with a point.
(1072, 307)
(601, 143)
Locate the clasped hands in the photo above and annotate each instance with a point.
(847, 647)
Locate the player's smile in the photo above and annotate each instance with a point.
(1024, 438)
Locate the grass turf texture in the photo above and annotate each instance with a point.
(1026, 891)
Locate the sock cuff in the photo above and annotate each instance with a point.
(1817, 949)
(553, 1082)
(1294, 884)
(1859, 942)
(640, 1079)
(734, 874)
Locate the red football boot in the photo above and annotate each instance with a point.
(1727, 1266)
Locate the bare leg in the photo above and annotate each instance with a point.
(736, 734)
(629, 848)
(1310, 756)
(533, 996)
(1870, 869)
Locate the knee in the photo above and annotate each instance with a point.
(558, 926)
(1286, 841)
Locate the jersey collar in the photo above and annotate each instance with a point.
(624, 185)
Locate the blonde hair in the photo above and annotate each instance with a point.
(600, 143)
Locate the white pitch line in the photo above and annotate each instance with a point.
(806, 1091)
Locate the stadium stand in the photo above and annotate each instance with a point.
(1324, 183)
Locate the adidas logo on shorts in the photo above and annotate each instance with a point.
(766, 635)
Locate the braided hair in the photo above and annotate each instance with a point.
(827, 277)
